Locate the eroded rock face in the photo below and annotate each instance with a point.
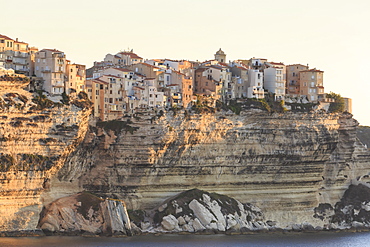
(353, 210)
(85, 212)
(276, 162)
(34, 145)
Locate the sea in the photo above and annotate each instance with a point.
(321, 239)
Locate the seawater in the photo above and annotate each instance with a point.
(325, 239)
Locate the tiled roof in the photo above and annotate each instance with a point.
(113, 76)
(201, 69)
(149, 65)
(131, 55)
(5, 37)
(312, 70)
(20, 42)
(100, 81)
(297, 64)
(223, 64)
(242, 68)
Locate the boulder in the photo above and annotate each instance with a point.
(201, 212)
(169, 222)
(197, 225)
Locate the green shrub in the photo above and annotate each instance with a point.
(338, 104)
(117, 126)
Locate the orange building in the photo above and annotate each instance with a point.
(311, 84)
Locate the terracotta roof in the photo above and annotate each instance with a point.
(312, 70)
(172, 85)
(149, 65)
(5, 37)
(100, 81)
(216, 67)
(201, 69)
(242, 68)
(139, 87)
(131, 55)
(20, 42)
(297, 64)
(223, 64)
(113, 76)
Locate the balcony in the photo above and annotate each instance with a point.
(45, 70)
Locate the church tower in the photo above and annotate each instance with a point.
(220, 56)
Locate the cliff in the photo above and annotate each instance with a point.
(285, 164)
(292, 166)
(363, 133)
(35, 140)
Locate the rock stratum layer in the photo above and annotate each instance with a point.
(291, 166)
(34, 144)
(285, 164)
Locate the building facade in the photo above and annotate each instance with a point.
(312, 84)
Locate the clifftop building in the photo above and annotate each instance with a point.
(220, 56)
(16, 55)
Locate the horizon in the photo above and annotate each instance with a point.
(327, 36)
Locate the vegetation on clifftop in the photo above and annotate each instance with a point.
(338, 104)
(117, 126)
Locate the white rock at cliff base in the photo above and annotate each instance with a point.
(169, 222)
(197, 225)
(201, 212)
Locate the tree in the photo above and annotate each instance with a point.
(338, 104)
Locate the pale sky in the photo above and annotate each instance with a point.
(331, 35)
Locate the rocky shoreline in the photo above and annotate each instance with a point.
(40, 233)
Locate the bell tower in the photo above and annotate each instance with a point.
(220, 56)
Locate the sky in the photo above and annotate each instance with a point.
(329, 35)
